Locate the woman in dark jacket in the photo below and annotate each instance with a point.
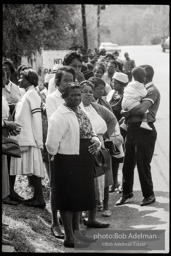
(120, 80)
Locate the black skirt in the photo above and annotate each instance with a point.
(74, 180)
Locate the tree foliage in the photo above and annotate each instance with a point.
(29, 27)
(134, 24)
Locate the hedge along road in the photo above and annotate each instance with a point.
(131, 216)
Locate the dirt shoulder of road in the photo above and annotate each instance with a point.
(28, 228)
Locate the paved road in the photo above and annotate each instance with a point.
(132, 216)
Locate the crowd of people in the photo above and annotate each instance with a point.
(62, 124)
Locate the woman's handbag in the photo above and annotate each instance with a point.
(113, 149)
(10, 147)
(115, 144)
(102, 162)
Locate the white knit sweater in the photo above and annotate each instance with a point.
(28, 114)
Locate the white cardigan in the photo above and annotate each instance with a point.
(63, 134)
(53, 101)
(28, 114)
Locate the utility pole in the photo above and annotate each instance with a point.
(84, 27)
(99, 8)
(98, 26)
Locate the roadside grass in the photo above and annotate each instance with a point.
(28, 228)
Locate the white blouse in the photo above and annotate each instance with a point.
(98, 123)
(5, 108)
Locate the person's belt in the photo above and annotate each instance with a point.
(138, 123)
(135, 126)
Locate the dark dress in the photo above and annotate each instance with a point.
(45, 128)
(74, 174)
(115, 103)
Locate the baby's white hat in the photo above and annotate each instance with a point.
(120, 77)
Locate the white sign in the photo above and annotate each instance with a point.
(52, 57)
(46, 60)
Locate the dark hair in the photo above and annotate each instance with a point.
(68, 89)
(139, 74)
(121, 83)
(109, 55)
(149, 72)
(21, 67)
(96, 81)
(60, 72)
(116, 53)
(100, 65)
(69, 57)
(86, 82)
(90, 66)
(10, 65)
(112, 62)
(31, 76)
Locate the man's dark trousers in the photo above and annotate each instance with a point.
(140, 144)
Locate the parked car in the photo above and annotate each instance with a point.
(109, 47)
(165, 43)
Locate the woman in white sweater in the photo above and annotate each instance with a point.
(28, 114)
(64, 76)
(72, 142)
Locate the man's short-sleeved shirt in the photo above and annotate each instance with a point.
(153, 95)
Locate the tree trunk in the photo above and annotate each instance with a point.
(84, 27)
(98, 26)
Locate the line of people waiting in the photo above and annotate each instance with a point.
(66, 126)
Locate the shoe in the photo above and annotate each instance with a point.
(16, 198)
(120, 190)
(76, 244)
(57, 234)
(29, 200)
(9, 201)
(124, 198)
(107, 213)
(114, 188)
(33, 204)
(145, 125)
(98, 224)
(148, 200)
